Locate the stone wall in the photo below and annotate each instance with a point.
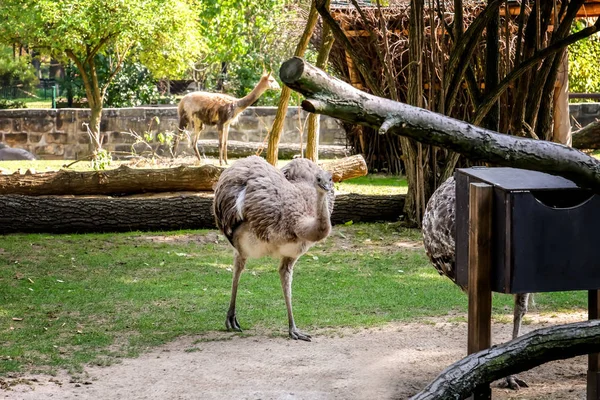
(59, 133)
(583, 114)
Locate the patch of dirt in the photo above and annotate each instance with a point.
(392, 362)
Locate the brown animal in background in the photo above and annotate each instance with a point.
(204, 108)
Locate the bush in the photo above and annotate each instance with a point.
(583, 63)
(7, 104)
(16, 71)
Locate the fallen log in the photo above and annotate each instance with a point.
(346, 168)
(588, 137)
(125, 180)
(122, 180)
(330, 96)
(538, 347)
(158, 211)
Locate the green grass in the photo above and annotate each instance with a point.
(374, 184)
(71, 300)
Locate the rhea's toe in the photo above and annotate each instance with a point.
(297, 335)
(232, 324)
(513, 382)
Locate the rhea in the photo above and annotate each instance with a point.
(439, 238)
(264, 211)
(205, 108)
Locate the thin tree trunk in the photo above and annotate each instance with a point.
(330, 96)
(312, 137)
(412, 151)
(284, 98)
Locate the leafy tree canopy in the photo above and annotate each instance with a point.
(163, 33)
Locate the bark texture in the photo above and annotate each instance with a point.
(587, 137)
(81, 214)
(538, 347)
(163, 211)
(284, 98)
(333, 97)
(125, 180)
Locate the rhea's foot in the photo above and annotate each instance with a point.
(297, 335)
(232, 324)
(513, 382)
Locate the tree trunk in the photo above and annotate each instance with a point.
(538, 347)
(366, 208)
(587, 137)
(562, 120)
(417, 176)
(82, 214)
(158, 211)
(284, 99)
(123, 180)
(126, 180)
(312, 137)
(346, 168)
(330, 96)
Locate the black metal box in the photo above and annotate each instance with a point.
(544, 231)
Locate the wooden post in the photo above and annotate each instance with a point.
(593, 375)
(480, 293)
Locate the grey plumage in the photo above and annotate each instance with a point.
(439, 239)
(280, 213)
(10, 153)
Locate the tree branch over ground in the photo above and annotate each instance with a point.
(538, 347)
(333, 97)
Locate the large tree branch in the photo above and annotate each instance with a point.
(333, 97)
(87, 84)
(341, 37)
(538, 347)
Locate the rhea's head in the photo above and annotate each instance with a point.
(324, 181)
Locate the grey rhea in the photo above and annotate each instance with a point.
(264, 211)
(10, 153)
(439, 233)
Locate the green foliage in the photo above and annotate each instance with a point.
(248, 36)
(132, 86)
(7, 104)
(16, 70)
(101, 160)
(583, 63)
(163, 33)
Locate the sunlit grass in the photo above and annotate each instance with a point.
(70, 300)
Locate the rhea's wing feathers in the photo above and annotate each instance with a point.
(229, 188)
(254, 192)
(439, 230)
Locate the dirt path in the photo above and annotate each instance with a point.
(392, 362)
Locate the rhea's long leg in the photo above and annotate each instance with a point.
(286, 271)
(521, 301)
(238, 266)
